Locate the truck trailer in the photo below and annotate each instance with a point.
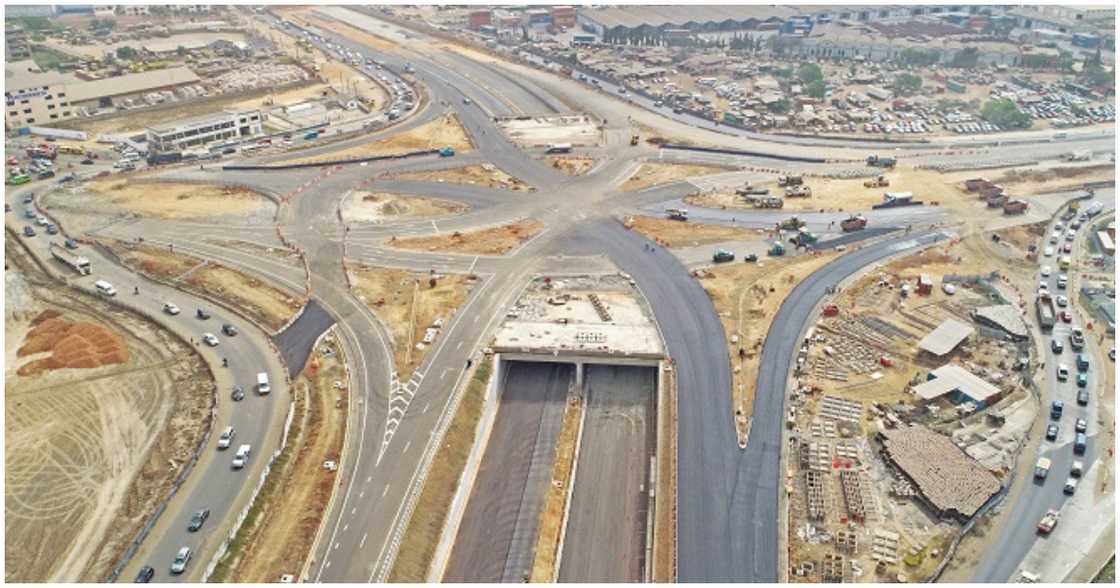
(76, 262)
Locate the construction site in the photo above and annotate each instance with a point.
(572, 408)
(909, 411)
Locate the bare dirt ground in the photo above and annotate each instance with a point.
(308, 14)
(1058, 178)
(555, 498)
(1023, 236)
(408, 303)
(654, 173)
(442, 132)
(573, 166)
(540, 131)
(168, 201)
(263, 302)
(493, 241)
(426, 525)
(379, 206)
(279, 541)
(747, 296)
(485, 174)
(279, 253)
(675, 234)
(90, 451)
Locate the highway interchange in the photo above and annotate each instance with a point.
(727, 496)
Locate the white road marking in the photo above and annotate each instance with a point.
(354, 510)
(426, 406)
(369, 479)
(476, 317)
(361, 494)
(406, 446)
(326, 565)
(363, 543)
(337, 544)
(385, 491)
(471, 269)
(434, 227)
(345, 527)
(458, 346)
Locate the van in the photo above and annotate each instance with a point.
(1056, 409)
(226, 438)
(105, 288)
(242, 456)
(1082, 362)
(1080, 443)
(262, 384)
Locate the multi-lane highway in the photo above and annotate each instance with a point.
(728, 497)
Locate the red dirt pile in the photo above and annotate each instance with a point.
(71, 345)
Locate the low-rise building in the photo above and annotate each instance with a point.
(196, 132)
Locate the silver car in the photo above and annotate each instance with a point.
(181, 560)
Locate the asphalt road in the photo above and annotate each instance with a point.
(1018, 534)
(499, 527)
(297, 341)
(606, 529)
(257, 419)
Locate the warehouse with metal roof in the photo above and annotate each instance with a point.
(1005, 317)
(945, 337)
(959, 384)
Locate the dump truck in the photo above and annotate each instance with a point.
(997, 200)
(885, 162)
(76, 262)
(447, 152)
(766, 201)
(878, 182)
(1049, 521)
(791, 224)
(676, 214)
(1044, 305)
(722, 256)
(1015, 207)
(853, 223)
(1042, 468)
(776, 250)
(790, 180)
(803, 238)
(798, 191)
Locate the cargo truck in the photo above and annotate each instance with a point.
(677, 214)
(1042, 468)
(1048, 522)
(884, 162)
(76, 262)
(1015, 207)
(1044, 304)
(559, 148)
(798, 191)
(790, 180)
(853, 223)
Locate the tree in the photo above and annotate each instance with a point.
(781, 106)
(815, 89)
(809, 73)
(126, 53)
(180, 51)
(908, 82)
(966, 58)
(1004, 113)
(918, 56)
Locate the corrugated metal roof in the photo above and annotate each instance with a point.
(945, 337)
(656, 16)
(951, 377)
(1006, 316)
(131, 84)
(18, 75)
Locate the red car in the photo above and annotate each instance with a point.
(1067, 316)
(1067, 248)
(13, 161)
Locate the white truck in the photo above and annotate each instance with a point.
(241, 457)
(559, 148)
(76, 262)
(1083, 155)
(1041, 468)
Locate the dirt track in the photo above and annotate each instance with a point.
(91, 451)
(492, 241)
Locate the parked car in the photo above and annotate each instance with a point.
(1063, 372)
(71, 244)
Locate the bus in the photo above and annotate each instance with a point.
(71, 150)
(19, 179)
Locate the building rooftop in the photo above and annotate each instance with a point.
(948, 478)
(193, 121)
(945, 337)
(950, 377)
(657, 16)
(131, 83)
(1005, 316)
(20, 75)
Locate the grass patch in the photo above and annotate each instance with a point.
(249, 527)
(424, 528)
(47, 59)
(1108, 573)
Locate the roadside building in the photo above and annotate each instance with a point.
(959, 384)
(945, 338)
(564, 16)
(33, 97)
(201, 131)
(1005, 317)
(478, 19)
(108, 92)
(134, 9)
(949, 482)
(15, 43)
(1106, 242)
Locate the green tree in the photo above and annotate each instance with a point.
(127, 53)
(966, 58)
(781, 106)
(815, 89)
(918, 56)
(1004, 113)
(809, 73)
(908, 82)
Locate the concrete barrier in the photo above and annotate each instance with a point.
(744, 153)
(287, 166)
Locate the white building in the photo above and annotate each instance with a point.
(134, 9)
(185, 134)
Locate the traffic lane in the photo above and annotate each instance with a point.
(818, 221)
(296, 342)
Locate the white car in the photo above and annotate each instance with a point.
(1062, 301)
(170, 308)
(1046, 271)
(1048, 252)
(210, 339)
(42, 221)
(1063, 372)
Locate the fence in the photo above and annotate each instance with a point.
(723, 151)
(284, 166)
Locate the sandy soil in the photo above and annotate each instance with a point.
(308, 14)
(1040, 182)
(654, 173)
(492, 241)
(552, 510)
(675, 234)
(69, 344)
(281, 540)
(476, 175)
(540, 131)
(408, 303)
(747, 296)
(424, 528)
(265, 303)
(442, 132)
(90, 451)
(573, 166)
(173, 201)
(380, 206)
(1023, 236)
